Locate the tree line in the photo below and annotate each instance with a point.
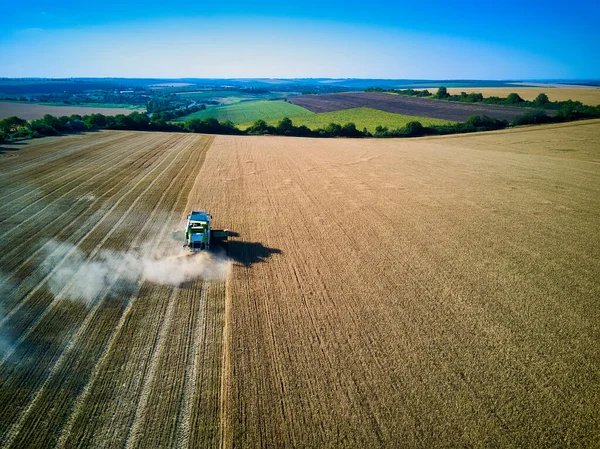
(566, 110)
(17, 128)
(13, 128)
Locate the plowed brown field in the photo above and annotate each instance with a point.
(436, 292)
(405, 105)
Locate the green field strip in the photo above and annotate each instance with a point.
(250, 111)
(361, 117)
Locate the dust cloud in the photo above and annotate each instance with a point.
(76, 277)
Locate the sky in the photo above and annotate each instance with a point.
(308, 39)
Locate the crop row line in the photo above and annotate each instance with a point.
(54, 226)
(66, 150)
(95, 250)
(139, 236)
(107, 359)
(130, 192)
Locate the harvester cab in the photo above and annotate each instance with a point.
(198, 233)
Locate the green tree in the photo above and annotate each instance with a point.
(483, 123)
(285, 127)
(260, 127)
(541, 100)
(40, 127)
(12, 124)
(140, 121)
(194, 125)
(333, 129)
(513, 98)
(78, 125)
(303, 131)
(53, 122)
(532, 117)
(95, 121)
(442, 93)
(349, 130)
(123, 121)
(414, 128)
(212, 125)
(381, 131)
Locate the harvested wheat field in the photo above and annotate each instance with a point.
(31, 111)
(587, 95)
(99, 349)
(434, 292)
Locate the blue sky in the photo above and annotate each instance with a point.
(375, 39)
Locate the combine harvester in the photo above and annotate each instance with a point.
(198, 234)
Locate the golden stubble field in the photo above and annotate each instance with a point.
(30, 111)
(587, 95)
(431, 292)
(435, 292)
(93, 354)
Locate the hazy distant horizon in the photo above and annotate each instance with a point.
(305, 78)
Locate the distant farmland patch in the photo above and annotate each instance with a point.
(589, 96)
(223, 97)
(30, 111)
(171, 85)
(361, 117)
(400, 104)
(250, 111)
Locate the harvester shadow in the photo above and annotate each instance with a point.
(249, 253)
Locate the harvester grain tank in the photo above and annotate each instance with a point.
(198, 233)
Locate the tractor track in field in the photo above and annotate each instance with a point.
(97, 201)
(62, 163)
(96, 172)
(26, 269)
(134, 432)
(103, 240)
(224, 425)
(61, 186)
(21, 194)
(74, 342)
(50, 172)
(138, 163)
(103, 360)
(194, 372)
(41, 186)
(91, 315)
(131, 170)
(96, 226)
(72, 145)
(37, 323)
